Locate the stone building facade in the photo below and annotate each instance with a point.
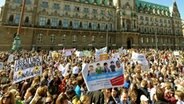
(56, 24)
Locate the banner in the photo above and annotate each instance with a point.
(100, 51)
(141, 59)
(68, 52)
(27, 68)
(176, 53)
(87, 53)
(79, 53)
(1, 65)
(103, 74)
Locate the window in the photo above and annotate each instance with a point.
(52, 38)
(67, 7)
(74, 38)
(44, 4)
(147, 19)
(17, 18)
(84, 38)
(77, 9)
(86, 10)
(42, 21)
(27, 19)
(102, 26)
(147, 40)
(64, 37)
(141, 18)
(142, 40)
(94, 26)
(168, 21)
(28, 1)
(11, 18)
(95, 11)
(93, 38)
(54, 22)
(56, 6)
(102, 12)
(85, 25)
(65, 23)
(39, 38)
(152, 40)
(18, 1)
(76, 24)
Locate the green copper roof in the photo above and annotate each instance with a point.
(152, 5)
(151, 8)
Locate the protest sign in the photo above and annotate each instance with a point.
(100, 51)
(141, 59)
(103, 74)
(87, 53)
(68, 53)
(10, 58)
(176, 53)
(27, 68)
(1, 65)
(79, 53)
(104, 57)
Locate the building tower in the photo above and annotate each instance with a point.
(176, 23)
(126, 15)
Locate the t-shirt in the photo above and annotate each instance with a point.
(99, 70)
(75, 70)
(78, 91)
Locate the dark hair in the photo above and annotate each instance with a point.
(112, 61)
(98, 64)
(105, 63)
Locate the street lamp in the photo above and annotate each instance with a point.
(107, 33)
(17, 40)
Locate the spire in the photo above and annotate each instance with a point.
(175, 11)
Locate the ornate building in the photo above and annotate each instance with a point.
(54, 24)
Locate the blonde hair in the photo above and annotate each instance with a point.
(41, 91)
(180, 95)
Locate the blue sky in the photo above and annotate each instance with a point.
(162, 2)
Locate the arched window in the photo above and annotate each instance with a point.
(27, 19)
(98, 26)
(11, 18)
(80, 25)
(89, 25)
(71, 24)
(60, 23)
(48, 22)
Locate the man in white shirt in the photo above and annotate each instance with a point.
(75, 70)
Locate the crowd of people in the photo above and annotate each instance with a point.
(162, 83)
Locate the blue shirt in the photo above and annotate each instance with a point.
(78, 90)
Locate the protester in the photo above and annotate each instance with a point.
(57, 78)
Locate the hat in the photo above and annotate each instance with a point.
(144, 98)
